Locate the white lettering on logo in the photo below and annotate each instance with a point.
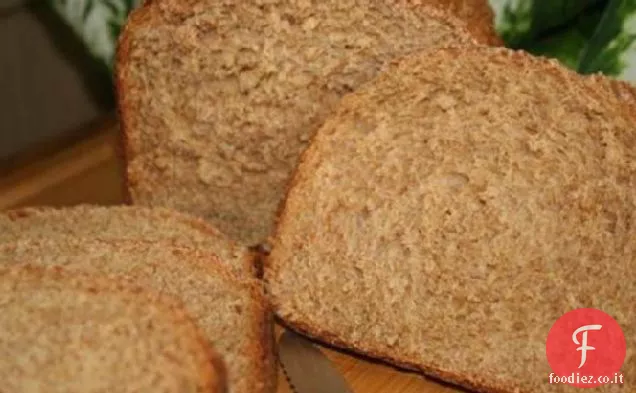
(584, 347)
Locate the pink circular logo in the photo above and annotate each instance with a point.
(586, 348)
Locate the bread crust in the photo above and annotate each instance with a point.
(321, 335)
(265, 378)
(261, 350)
(598, 87)
(265, 354)
(122, 53)
(475, 383)
(212, 377)
(138, 16)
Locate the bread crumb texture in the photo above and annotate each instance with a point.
(454, 208)
(76, 333)
(477, 14)
(124, 222)
(219, 98)
(231, 311)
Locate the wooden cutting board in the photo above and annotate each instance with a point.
(365, 376)
(89, 172)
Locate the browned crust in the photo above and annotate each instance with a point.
(212, 368)
(249, 259)
(481, 21)
(597, 86)
(121, 55)
(486, 20)
(147, 13)
(221, 385)
(253, 264)
(264, 351)
(120, 153)
(266, 354)
(473, 382)
(138, 16)
(249, 262)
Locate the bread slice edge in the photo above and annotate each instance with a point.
(213, 378)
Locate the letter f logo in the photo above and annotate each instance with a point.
(584, 347)
(574, 330)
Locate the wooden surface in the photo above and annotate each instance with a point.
(89, 172)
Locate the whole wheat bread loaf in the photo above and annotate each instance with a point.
(452, 209)
(75, 333)
(232, 312)
(218, 98)
(125, 222)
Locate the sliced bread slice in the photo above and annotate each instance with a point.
(76, 333)
(454, 208)
(218, 98)
(233, 313)
(125, 222)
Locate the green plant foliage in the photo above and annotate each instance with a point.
(96, 22)
(612, 50)
(520, 22)
(568, 43)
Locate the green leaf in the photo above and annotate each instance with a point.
(513, 19)
(88, 8)
(97, 23)
(612, 50)
(567, 43)
(565, 47)
(112, 7)
(550, 14)
(130, 5)
(520, 22)
(114, 27)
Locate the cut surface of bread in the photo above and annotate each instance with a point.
(232, 312)
(454, 208)
(478, 15)
(75, 333)
(218, 98)
(124, 222)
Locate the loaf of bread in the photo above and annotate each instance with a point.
(232, 312)
(451, 210)
(75, 333)
(218, 98)
(125, 222)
